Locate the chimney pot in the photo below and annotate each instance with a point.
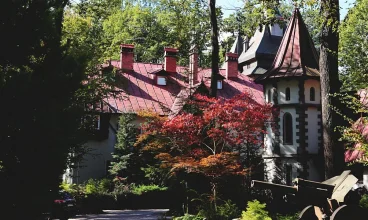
(170, 59)
(126, 56)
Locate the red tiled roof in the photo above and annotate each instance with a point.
(234, 86)
(297, 55)
(143, 92)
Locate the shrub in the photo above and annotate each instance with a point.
(288, 217)
(364, 201)
(139, 190)
(255, 211)
(228, 210)
(189, 217)
(98, 186)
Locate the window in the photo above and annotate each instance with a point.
(97, 122)
(269, 95)
(288, 129)
(288, 172)
(312, 94)
(161, 81)
(287, 94)
(219, 84)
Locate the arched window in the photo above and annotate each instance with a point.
(287, 94)
(269, 96)
(312, 94)
(288, 128)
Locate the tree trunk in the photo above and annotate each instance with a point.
(328, 66)
(215, 48)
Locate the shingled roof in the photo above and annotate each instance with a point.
(261, 45)
(297, 55)
(143, 93)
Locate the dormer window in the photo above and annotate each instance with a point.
(219, 84)
(161, 80)
(287, 94)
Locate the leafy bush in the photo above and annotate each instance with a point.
(228, 210)
(96, 195)
(98, 186)
(76, 190)
(139, 190)
(255, 211)
(189, 217)
(364, 201)
(288, 217)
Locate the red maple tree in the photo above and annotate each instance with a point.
(207, 140)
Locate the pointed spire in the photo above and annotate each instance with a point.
(297, 55)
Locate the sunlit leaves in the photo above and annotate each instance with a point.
(353, 48)
(207, 142)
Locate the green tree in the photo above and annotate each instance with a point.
(151, 27)
(41, 82)
(353, 48)
(126, 137)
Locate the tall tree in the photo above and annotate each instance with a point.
(353, 47)
(151, 27)
(330, 84)
(215, 48)
(42, 84)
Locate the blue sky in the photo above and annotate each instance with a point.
(230, 5)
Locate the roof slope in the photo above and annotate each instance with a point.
(143, 92)
(297, 55)
(262, 44)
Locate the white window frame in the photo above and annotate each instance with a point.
(161, 83)
(220, 84)
(98, 118)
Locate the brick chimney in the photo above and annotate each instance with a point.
(231, 65)
(126, 56)
(193, 65)
(170, 59)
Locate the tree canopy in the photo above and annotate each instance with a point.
(209, 138)
(43, 70)
(353, 59)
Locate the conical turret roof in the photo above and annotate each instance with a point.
(297, 55)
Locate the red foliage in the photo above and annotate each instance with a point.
(207, 141)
